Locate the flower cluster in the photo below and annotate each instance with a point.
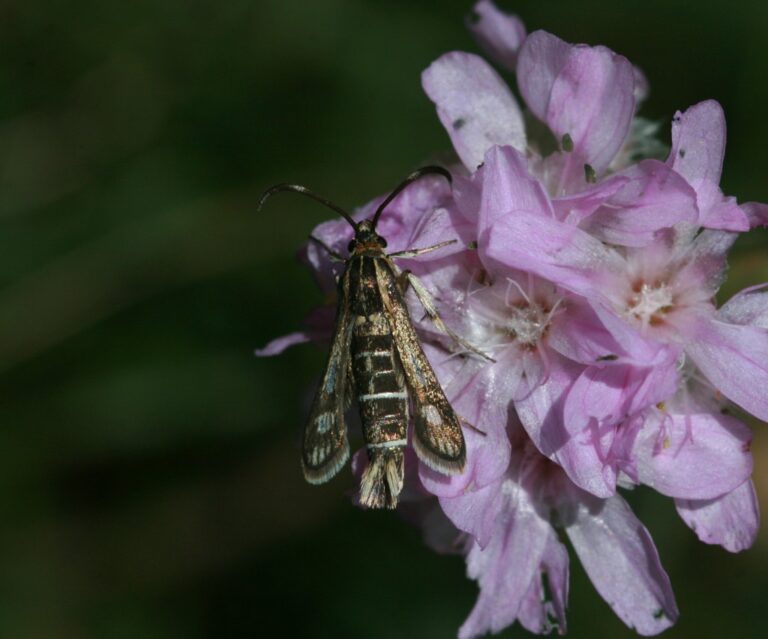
(587, 264)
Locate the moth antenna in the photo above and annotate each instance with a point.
(417, 174)
(303, 190)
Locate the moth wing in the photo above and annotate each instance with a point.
(438, 440)
(325, 447)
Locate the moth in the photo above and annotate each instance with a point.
(376, 356)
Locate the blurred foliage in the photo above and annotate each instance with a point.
(149, 476)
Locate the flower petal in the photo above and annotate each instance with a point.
(481, 394)
(579, 335)
(541, 412)
(698, 142)
(487, 459)
(699, 456)
(279, 344)
(475, 512)
(748, 307)
(618, 554)
(720, 212)
(475, 106)
(597, 402)
(543, 608)
(584, 92)
(517, 229)
(559, 252)
(498, 33)
(735, 360)
(505, 569)
(756, 212)
(654, 198)
(579, 206)
(508, 187)
(730, 521)
(698, 149)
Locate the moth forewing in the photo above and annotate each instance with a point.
(438, 439)
(325, 447)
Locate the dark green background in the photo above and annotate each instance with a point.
(149, 476)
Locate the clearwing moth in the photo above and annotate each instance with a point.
(376, 355)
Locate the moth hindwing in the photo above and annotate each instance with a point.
(377, 356)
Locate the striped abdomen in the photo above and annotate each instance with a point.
(381, 389)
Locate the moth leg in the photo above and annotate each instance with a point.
(471, 426)
(421, 251)
(335, 257)
(402, 281)
(429, 306)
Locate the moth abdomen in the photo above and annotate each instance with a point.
(383, 403)
(383, 477)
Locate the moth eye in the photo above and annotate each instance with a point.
(351, 245)
(383, 242)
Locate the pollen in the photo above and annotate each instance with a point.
(649, 303)
(527, 323)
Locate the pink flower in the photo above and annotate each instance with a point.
(522, 566)
(586, 264)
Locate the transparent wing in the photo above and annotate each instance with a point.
(438, 439)
(325, 448)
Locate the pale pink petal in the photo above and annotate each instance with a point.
(579, 335)
(720, 212)
(619, 556)
(638, 349)
(749, 307)
(509, 187)
(542, 59)
(756, 212)
(481, 394)
(505, 568)
(582, 459)
(553, 250)
(615, 390)
(279, 344)
(654, 198)
(543, 608)
(442, 224)
(698, 456)
(466, 194)
(475, 512)
(487, 459)
(730, 521)
(598, 401)
(518, 230)
(735, 360)
(498, 33)
(541, 412)
(707, 256)
(584, 92)
(698, 142)
(579, 206)
(608, 395)
(698, 149)
(475, 106)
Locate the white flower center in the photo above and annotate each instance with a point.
(649, 303)
(527, 323)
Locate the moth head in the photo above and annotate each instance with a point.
(365, 231)
(366, 237)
